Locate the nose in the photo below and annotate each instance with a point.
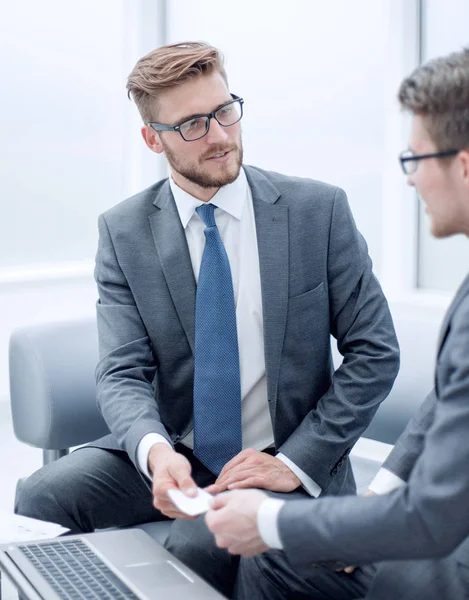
(410, 179)
(216, 133)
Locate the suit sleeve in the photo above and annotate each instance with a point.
(409, 446)
(427, 518)
(361, 322)
(126, 367)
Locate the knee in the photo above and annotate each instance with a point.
(46, 495)
(36, 495)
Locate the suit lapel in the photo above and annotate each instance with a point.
(273, 243)
(460, 294)
(173, 253)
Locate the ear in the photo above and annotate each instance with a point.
(464, 165)
(152, 139)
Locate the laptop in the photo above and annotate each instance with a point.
(121, 564)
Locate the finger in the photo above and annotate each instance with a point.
(243, 473)
(163, 503)
(250, 482)
(170, 510)
(243, 459)
(349, 570)
(223, 541)
(160, 491)
(183, 480)
(214, 489)
(239, 474)
(161, 497)
(221, 482)
(220, 501)
(234, 462)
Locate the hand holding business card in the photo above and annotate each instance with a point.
(191, 506)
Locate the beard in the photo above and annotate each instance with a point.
(195, 172)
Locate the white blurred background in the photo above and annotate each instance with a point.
(319, 81)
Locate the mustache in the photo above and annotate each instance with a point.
(217, 150)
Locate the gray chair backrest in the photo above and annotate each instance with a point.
(417, 337)
(52, 384)
(53, 396)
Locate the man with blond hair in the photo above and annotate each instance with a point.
(417, 534)
(219, 288)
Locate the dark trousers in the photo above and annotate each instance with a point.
(93, 488)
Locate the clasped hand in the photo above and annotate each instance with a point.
(233, 515)
(249, 469)
(253, 469)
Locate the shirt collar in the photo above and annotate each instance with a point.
(230, 198)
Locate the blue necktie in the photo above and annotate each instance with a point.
(217, 384)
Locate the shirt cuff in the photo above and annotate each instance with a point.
(309, 484)
(144, 447)
(385, 482)
(267, 522)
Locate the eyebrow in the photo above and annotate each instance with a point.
(193, 116)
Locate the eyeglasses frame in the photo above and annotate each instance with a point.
(416, 157)
(212, 115)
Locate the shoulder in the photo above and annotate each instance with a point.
(297, 188)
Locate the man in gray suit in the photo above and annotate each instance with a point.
(215, 361)
(416, 534)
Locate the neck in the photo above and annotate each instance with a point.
(201, 193)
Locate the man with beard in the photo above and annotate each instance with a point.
(411, 542)
(219, 288)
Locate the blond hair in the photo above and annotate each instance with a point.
(167, 67)
(439, 92)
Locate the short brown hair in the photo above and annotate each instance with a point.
(167, 67)
(439, 92)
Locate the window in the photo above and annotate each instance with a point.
(69, 134)
(442, 264)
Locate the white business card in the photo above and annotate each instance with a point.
(191, 506)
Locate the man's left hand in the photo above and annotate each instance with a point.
(253, 469)
(233, 520)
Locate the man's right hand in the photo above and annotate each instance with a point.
(169, 470)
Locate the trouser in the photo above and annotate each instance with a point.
(93, 488)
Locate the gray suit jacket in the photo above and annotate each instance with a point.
(426, 521)
(316, 279)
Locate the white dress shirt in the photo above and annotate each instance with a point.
(267, 515)
(236, 223)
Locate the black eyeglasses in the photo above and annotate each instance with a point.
(409, 160)
(198, 125)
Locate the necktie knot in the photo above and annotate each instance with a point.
(206, 213)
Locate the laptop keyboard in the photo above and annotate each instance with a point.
(75, 572)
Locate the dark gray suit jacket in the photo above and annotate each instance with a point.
(316, 279)
(422, 528)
